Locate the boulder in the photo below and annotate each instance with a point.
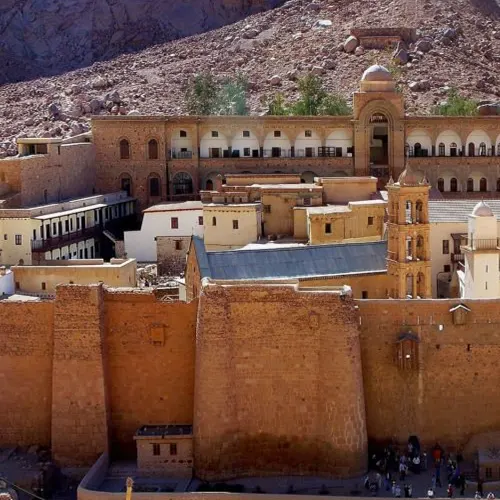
(99, 83)
(275, 80)
(488, 109)
(315, 7)
(400, 56)
(423, 45)
(350, 44)
(95, 106)
(359, 51)
(323, 23)
(419, 86)
(317, 70)
(54, 109)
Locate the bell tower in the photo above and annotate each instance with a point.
(408, 246)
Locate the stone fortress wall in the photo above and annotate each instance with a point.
(277, 368)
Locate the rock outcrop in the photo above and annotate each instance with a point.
(457, 45)
(43, 37)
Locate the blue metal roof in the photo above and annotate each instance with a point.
(292, 262)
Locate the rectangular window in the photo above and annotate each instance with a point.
(246, 133)
(447, 268)
(277, 133)
(309, 152)
(156, 449)
(200, 221)
(486, 268)
(307, 202)
(183, 133)
(34, 234)
(215, 133)
(178, 245)
(308, 133)
(214, 152)
(66, 226)
(246, 151)
(44, 286)
(173, 448)
(275, 152)
(19, 239)
(54, 228)
(214, 221)
(446, 247)
(5, 237)
(235, 224)
(174, 223)
(364, 294)
(338, 152)
(370, 221)
(17, 285)
(328, 228)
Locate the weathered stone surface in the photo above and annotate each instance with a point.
(350, 44)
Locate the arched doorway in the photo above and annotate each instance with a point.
(379, 139)
(182, 183)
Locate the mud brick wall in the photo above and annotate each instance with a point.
(79, 383)
(26, 373)
(278, 386)
(150, 348)
(454, 393)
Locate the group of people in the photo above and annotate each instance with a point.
(393, 466)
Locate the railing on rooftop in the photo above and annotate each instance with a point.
(481, 244)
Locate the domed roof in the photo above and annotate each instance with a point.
(376, 73)
(482, 210)
(410, 178)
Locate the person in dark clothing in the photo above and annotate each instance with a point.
(462, 482)
(480, 487)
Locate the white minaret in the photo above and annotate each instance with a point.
(481, 278)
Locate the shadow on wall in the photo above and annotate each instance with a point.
(65, 37)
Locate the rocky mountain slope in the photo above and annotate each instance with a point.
(273, 48)
(43, 37)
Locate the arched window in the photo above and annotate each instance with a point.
(482, 149)
(441, 149)
(126, 184)
(182, 183)
(483, 185)
(417, 149)
(470, 185)
(209, 185)
(453, 185)
(153, 149)
(441, 184)
(124, 149)
(453, 149)
(472, 149)
(154, 185)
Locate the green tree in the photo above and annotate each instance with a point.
(232, 97)
(202, 94)
(311, 96)
(334, 105)
(456, 105)
(277, 106)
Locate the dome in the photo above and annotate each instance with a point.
(376, 73)
(482, 210)
(410, 178)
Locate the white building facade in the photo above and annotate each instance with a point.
(173, 220)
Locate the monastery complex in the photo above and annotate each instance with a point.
(342, 291)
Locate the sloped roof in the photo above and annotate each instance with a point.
(457, 210)
(292, 262)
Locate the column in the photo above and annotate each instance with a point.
(415, 285)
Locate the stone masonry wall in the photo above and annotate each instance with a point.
(278, 386)
(151, 363)
(454, 393)
(80, 416)
(26, 373)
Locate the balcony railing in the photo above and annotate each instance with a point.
(49, 244)
(457, 257)
(482, 244)
(181, 155)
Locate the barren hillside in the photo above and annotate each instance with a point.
(462, 50)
